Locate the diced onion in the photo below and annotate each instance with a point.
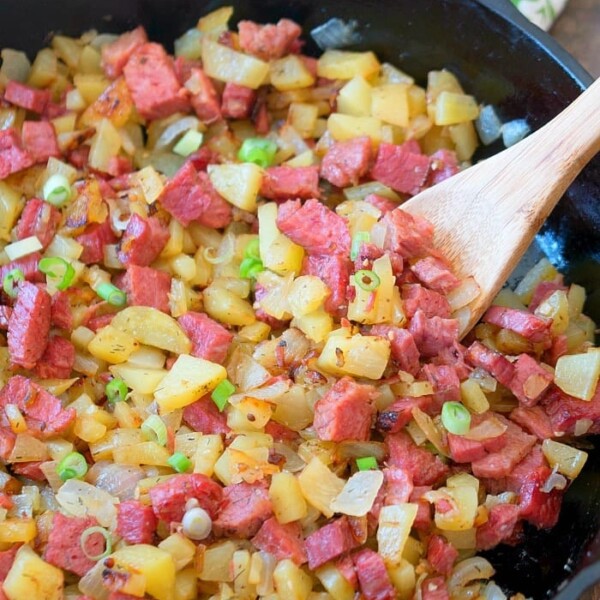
(357, 497)
(488, 125)
(336, 33)
(490, 428)
(463, 294)
(514, 131)
(82, 499)
(484, 379)
(348, 450)
(555, 481)
(433, 434)
(224, 253)
(492, 592)
(196, 523)
(269, 393)
(582, 426)
(471, 569)
(23, 247)
(92, 583)
(173, 131)
(293, 462)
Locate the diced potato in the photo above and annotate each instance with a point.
(452, 108)
(509, 299)
(31, 577)
(90, 86)
(395, 523)
(151, 183)
(103, 449)
(436, 138)
(217, 561)
(555, 307)
(438, 82)
(293, 409)
(155, 564)
(355, 98)
(463, 479)
(17, 530)
(208, 450)
(241, 572)
(225, 306)
(364, 308)
(152, 327)
(239, 184)
(360, 192)
(291, 582)
(188, 379)
(181, 549)
(472, 397)
(542, 271)
(577, 374)
(576, 336)
(10, 208)
(225, 64)
(462, 540)
(140, 379)
(461, 516)
(465, 140)
(105, 145)
(44, 69)
(249, 415)
(216, 20)
(320, 486)
(186, 584)
(303, 118)
(286, 495)
(145, 453)
(126, 415)
(390, 103)
(403, 578)
(290, 73)
(90, 61)
(361, 216)
(89, 429)
(316, 325)
(341, 64)
(347, 127)
(569, 460)
(356, 355)
(417, 101)
(307, 294)
(413, 550)
(334, 582)
(67, 49)
(112, 345)
(576, 297)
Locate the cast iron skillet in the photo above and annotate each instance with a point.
(500, 58)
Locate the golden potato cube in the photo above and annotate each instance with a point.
(290, 73)
(217, 562)
(225, 306)
(555, 307)
(355, 98)
(186, 584)
(15, 530)
(390, 103)
(239, 184)
(31, 577)
(112, 345)
(216, 20)
(577, 374)
(395, 522)
(286, 495)
(363, 308)
(465, 139)
(320, 486)
(347, 127)
(181, 549)
(189, 378)
(208, 450)
(316, 325)
(303, 118)
(342, 64)
(144, 453)
(291, 582)
(334, 582)
(542, 271)
(139, 379)
(89, 429)
(569, 460)
(472, 397)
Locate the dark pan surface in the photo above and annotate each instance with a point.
(502, 60)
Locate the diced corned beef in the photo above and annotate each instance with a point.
(411, 236)
(280, 433)
(116, 54)
(43, 412)
(237, 101)
(334, 271)
(454, 356)
(268, 41)
(564, 410)
(26, 96)
(38, 218)
(346, 162)
(204, 416)
(119, 166)
(404, 350)
(530, 380)
(58, 359)
(530, 326)
(29, 266)
(79, 156)
(64, 548)
(282, 541)
(142, 241)
(435, 274)
(345, 565)
(444, 164)
(543, 290)
(500, 525)
(491, 361)
(534, 420)
(13, 157)
(260, 117)
(345, 412)
(499, 464)
(398, 485)
(398, 414)
(434, 588)
(203, 157)
(400, 169)
(424, 467)
(445, 382)
(385, 205)
(31, 470)
(5, 312)
(7, 441)
(169, 498)
(441, 554)
(39, 140)
(190, 196)
(288, 183)
(29, 325)
(93, 240)
(154, 87)
(60, 311)
(373, 577)
(560, 347)
(314, 227)
(204, 99)
(244, 509)
(432, 335)
(210, 340)
(136, 522)
(464, 450)
(416, 297)
(329, 542)
(536, 507)
(97, 322)
(146, 286)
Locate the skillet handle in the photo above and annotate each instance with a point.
(584, 580)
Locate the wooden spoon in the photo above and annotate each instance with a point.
(486, 216)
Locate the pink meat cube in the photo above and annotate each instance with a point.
(26, 96)
(210, 340)
(400, 169)
(288, 183)
(147, 287)
(13, 157)
(39, 140)
(346, 162)
(282, 541)
(142, 241)
(268, 41)
(116, 54)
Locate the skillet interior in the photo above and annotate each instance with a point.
(500, 59)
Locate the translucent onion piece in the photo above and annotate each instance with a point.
(336, 33)
(82, 499)
(484, 379)
(490, 428)
(492, 592)
(293, 462)
(433, 434)
(488, 125)
(269, 393)
(463, 294)
(27, 449)
(170, 134)
(246, 373)
(468, 570)
(514, 131)
(92, 583)
(118, 480)
(463, 316)
(265, 586)
(555, 481)
(504, 498)
(357, 497)
(582, 426)
(346, 450)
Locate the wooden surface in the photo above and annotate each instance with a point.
(578, 30)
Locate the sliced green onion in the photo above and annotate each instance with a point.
(10, 281)
(222, 393)
(155, 430)
(85, 536)
(456, 418)
(112, 294)
(360, 238)
(116, 391)
(57, 190)
(252, 249)
(367, 280)
(189, 143)
(58, 268)
(72, 466)
(259, 151)
(251, 267)
(179, 462)
(367, 463)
